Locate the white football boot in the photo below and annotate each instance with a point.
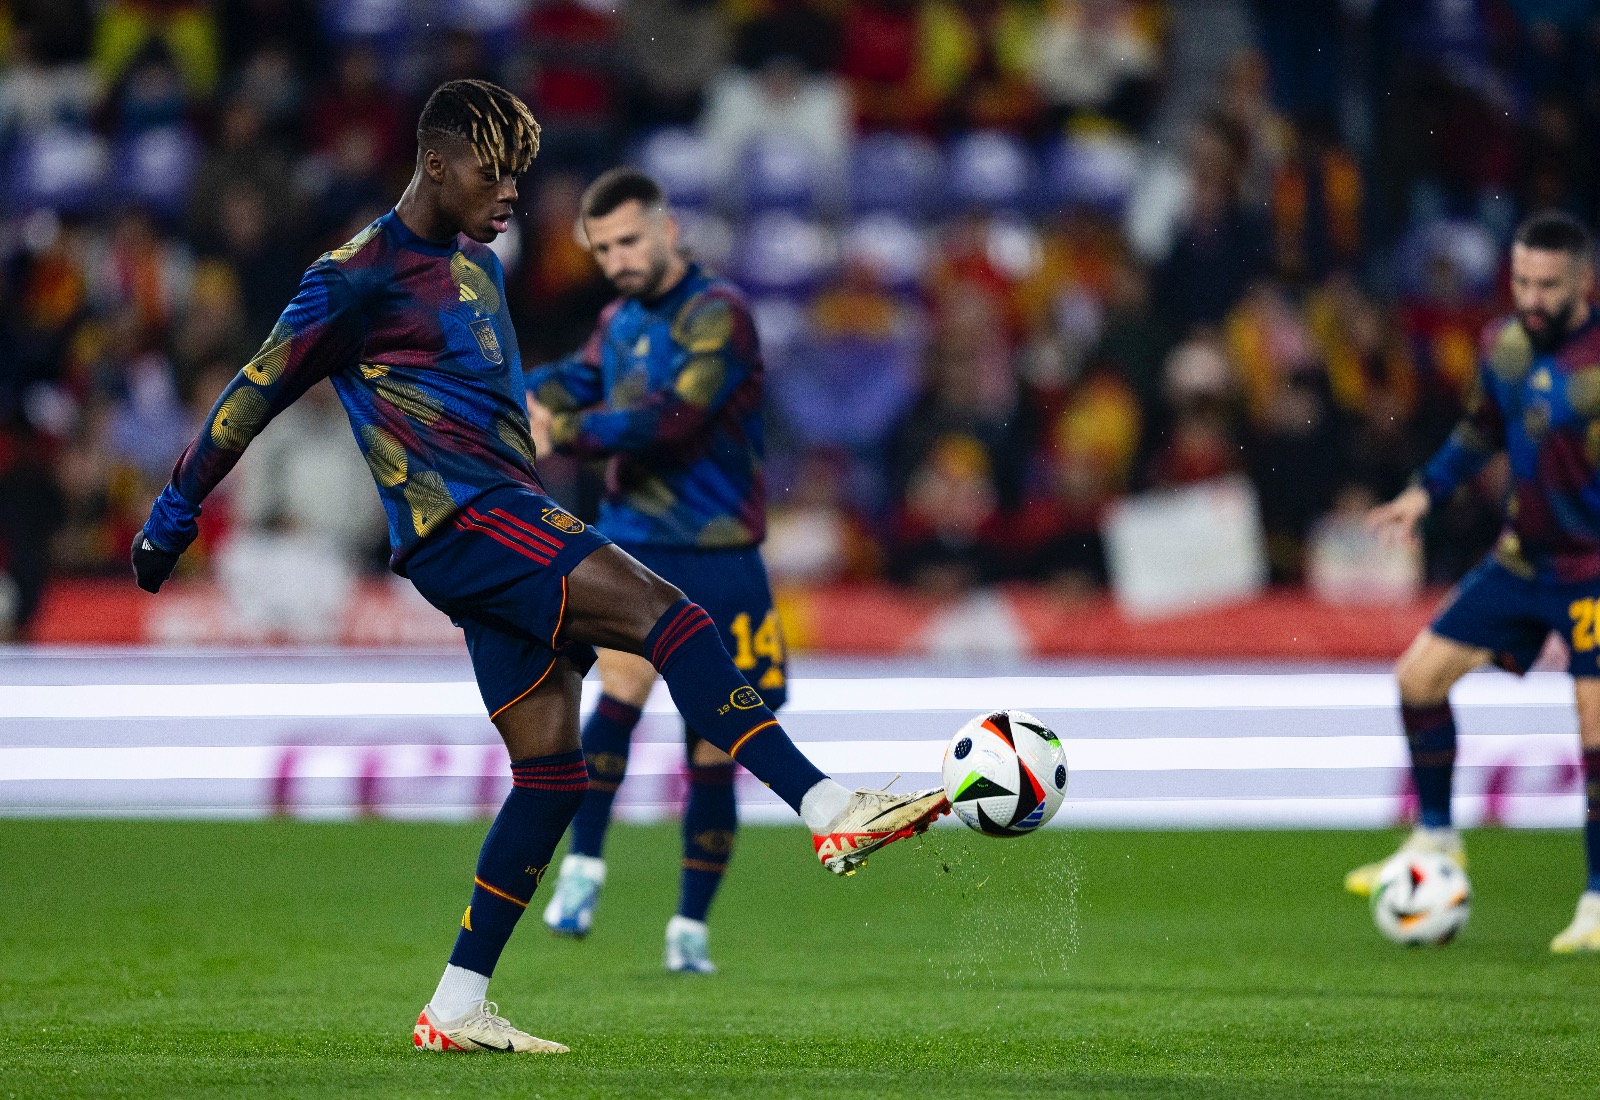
(479, 1031)
(1583, 934)
(1446, 841)
(688, 950)
(577, 893)
(872, 819)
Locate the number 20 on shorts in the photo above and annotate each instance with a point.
(1582, 612)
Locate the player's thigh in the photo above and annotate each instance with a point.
(544, 720)
(613, 601)
(1586, 692)
(626, 677)
(1432, 664)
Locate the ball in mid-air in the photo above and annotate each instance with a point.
(1421, 898)
(1005, 773)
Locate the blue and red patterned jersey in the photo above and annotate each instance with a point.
(670, 392)
(418, 344)
(1543, 410)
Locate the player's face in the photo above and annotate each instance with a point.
(1549, 289)
(473, 198)
(634, 247)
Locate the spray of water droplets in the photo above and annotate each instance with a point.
(1011, 913)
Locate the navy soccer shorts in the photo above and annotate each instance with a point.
(499, 570)
(1511, 616)
(732, 586)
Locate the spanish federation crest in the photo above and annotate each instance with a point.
(563, 521)
(488, 341)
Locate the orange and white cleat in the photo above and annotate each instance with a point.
(479, 1031)
(872, 819)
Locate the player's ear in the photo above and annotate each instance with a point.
(433, 165)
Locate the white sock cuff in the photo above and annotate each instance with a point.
(460, 991)
(592, 868)
(822, 804)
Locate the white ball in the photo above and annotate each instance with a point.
(1421, 898)
(1005, 773)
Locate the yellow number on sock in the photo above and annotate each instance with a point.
(766, 641)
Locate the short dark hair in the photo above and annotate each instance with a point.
(616, 186)
(1556, 231)
(495, 123)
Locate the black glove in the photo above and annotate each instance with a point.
(151, 564)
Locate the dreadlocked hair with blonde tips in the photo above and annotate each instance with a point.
(495, 123)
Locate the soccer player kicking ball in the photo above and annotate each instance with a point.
(669, 390)
(1537, 397)
(409, 322)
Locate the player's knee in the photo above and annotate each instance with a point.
(1422, 682)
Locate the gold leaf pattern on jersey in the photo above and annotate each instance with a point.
(384, 454)
(1512, 353)
(703, 326)
(474, 285)
(700, 379)
(239, 418)
(430, 501)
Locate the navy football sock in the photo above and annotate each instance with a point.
(709, 822)
(545, 793)
(1591, 822)
(720, 706)
(606, 736)
(1431, 733)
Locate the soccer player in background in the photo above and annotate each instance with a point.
(668, 389)
(1536, 397)
(409, 322)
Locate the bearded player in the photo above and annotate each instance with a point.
(668, 390)
(1537, 397)
(409, 322)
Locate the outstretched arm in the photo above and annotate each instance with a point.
(319, 332)
(714, 353)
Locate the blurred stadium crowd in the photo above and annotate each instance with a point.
(1011, 259)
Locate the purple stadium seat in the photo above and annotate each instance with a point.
(891, 246)
(156, 168)
(678, 159)
(895, 173)
(989, 170)
(781, 253)
(780, 173)
(63, 168)
(1096, 170)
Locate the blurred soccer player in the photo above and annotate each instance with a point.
(409, 322)
(1537, 397)
(669, 390)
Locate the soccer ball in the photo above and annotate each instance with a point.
(1421, 897)
(1005, 773)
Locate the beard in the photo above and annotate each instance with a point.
(648, 284)
(1548, 328)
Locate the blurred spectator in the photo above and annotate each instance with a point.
(36, 95)
(782, 101)
(576, 49)
(267, 267)
(292, 26)
(948, 533)
(1217, 243)
(794, 29)
(676, 47)
(973, 60)
(1316, 207)
(879, 60)
(241, 155)
(560, 290)
(183, 31)
(1097, 57)
(814, 536)
(1200, 441)
(358, 108)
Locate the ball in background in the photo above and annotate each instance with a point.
(1421, 898)
(1005, 773)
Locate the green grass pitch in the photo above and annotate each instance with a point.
(279, 959)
